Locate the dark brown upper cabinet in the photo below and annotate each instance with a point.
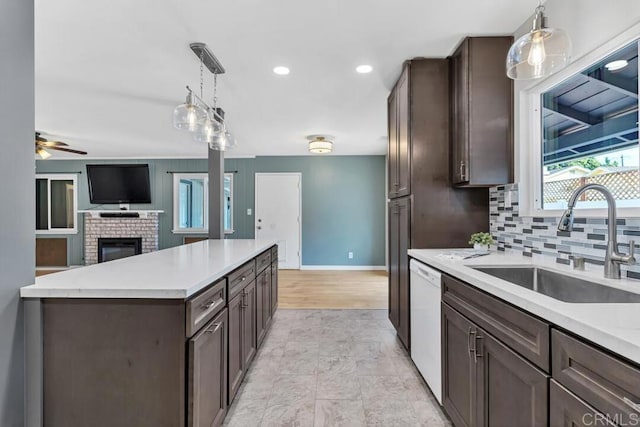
(481, 113)
(399, 148)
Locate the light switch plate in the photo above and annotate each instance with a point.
(249, 212)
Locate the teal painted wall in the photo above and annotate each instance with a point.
(343, 202)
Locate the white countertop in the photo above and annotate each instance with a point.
(170, 273)
(613, 326)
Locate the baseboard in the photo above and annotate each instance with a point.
(343, 267)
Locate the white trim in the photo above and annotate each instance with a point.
(176, 217)
(255, 205)
(343, 267)
(530, 167)
(224, 203)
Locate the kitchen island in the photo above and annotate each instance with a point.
(159, 339)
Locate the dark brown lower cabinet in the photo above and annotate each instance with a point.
(249, 344)
(568, 410)
(399, 243)
(485, 382)
(263, 304)
(274, 287)
(207, 385)
(236, 359)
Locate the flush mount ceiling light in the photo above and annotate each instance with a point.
(364, 69)
(539, 53)
(281, 70)
(195, 115)
(616, 65)
(320, 144)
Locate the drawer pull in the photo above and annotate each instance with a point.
(475, 348)
(243, 278)
(211, 303)
(216, 326)
(469, 339)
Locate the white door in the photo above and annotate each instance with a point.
(279, 214)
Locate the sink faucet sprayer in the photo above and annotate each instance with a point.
(613, 258)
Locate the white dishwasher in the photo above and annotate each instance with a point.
(425, 324)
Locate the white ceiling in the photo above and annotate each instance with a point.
(110, 72)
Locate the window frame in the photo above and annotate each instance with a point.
(229, 230)
(176, 208)
(529, 108)
(59, 177)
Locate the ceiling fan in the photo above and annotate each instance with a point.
(43, 144)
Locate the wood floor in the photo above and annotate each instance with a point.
(332, 289)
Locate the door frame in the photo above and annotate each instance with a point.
(255, 205)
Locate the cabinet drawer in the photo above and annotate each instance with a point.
(206, 305)
(518, 330)
(568, 410)
(241, 276)
(274, 254)
(608, 384)
(263, 261)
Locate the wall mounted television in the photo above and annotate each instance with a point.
(126, 183)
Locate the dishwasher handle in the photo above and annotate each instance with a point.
(429, 274)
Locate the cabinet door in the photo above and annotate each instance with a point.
(458, 368)
(274, 287)
(404, 232)
(394, 278)
(568, 410)
(249, 344)
(460, 114)
(510, 391)
(207, 399)
(404, 137)
(392, 148)
(261, 315)
(236, 360)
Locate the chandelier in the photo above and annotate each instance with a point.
(205, 121)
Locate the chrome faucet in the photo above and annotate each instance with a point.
(612, 258)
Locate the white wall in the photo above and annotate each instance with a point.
(590, 24)
(17, 192)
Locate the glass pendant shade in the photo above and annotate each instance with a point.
(187, 116)
(207, 130)
(539, 53)
(223, 141)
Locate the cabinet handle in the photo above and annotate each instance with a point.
(216, 327)
(462, 174)
(470, 339)
(211, 303)
(478, 338)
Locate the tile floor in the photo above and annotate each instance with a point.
(333, 368)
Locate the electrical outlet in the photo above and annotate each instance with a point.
(249, 212)
(350, 255)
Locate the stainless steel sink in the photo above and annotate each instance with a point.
(560, 286)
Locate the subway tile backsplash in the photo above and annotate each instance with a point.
(538, 237)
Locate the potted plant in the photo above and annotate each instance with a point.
(481, 241)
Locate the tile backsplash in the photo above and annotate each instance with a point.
(539, 237)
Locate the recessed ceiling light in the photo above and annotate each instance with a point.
(281, 70)
(616, 65)
(364, 69)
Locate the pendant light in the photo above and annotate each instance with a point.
(195, 115)
(539, 53)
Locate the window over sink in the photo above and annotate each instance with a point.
(589, 132)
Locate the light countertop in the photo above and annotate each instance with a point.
(615, 326)
(177, 272)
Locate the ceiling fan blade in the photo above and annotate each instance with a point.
(68, 150)
(50, 144)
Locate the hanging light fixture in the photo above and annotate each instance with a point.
(539, 53)
(44, 154)
(320, 144)
(195, 115)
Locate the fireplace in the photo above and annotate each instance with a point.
(110, 248)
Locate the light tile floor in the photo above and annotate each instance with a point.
(333, 368)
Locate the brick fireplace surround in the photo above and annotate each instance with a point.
(145, 227)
